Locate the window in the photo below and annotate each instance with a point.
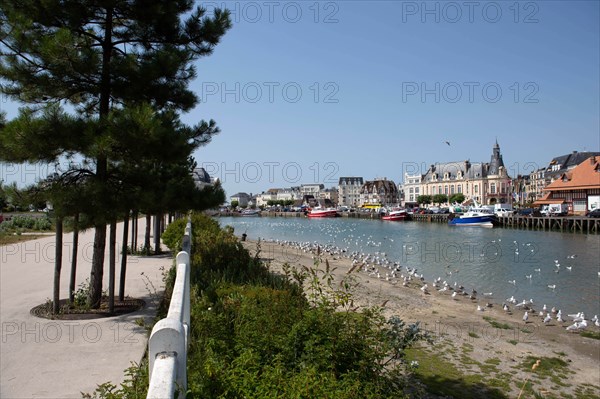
(459, 188)
(446, 190)
(452, 189)
(475, 188)
(492, 188)
(416, 190)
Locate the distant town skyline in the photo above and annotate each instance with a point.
(308, 92)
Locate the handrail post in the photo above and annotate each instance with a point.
(167, 346)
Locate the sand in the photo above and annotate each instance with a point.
(456, 325)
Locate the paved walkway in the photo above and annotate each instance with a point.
(42, 358)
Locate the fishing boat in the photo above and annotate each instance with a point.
(394, 215)
(251, 212)
(476, 216)
(322, 213)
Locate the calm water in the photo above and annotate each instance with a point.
(487, 260)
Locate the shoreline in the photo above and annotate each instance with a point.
(456, 322)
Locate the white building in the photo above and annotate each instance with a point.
(241, 198)
(311, 189)
(349, 191)
(411, 189)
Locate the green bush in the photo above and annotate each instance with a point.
(257, 335)
(20, 223)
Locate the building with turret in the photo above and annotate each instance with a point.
(486, 183)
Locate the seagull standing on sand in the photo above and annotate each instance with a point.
(547, 319)
(526, 317)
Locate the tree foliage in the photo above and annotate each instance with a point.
(424, 199)
(124, 67)
(439, 198)
(458, 198)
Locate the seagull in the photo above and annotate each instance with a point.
(506, 308)
(454, 295)
(479, 308)
(547, 319)
(552, 286)
(447, 142)
(513, 282)
(526, 317)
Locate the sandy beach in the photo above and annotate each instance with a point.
(463, 335)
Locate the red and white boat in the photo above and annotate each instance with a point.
(322, 213)
(395, 215)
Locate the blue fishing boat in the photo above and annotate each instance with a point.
(476, 216)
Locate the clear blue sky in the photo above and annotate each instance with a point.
(385, 83)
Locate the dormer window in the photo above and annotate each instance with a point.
(446, 176)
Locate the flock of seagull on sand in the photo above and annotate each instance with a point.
(377, 265)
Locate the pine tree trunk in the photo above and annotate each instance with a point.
(74, 258)
(97, 273)
(137, 225)
(112, 260)
(147, 246)
(57, 264)
(157, 220)
(124, 257)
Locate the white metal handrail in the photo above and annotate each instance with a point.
(167, 346)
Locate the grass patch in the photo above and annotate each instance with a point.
(442, 377)
(497, 324)
(473, 334)
(590, 334)
(512, 341)
(6, 239)
(554, 368)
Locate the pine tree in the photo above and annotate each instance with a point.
(96, 56)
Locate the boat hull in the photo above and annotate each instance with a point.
(393, 218)
(322, 214)
(482, 221)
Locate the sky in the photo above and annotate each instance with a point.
(310, 91)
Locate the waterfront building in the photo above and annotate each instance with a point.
(379, 192)
(263, 199)
(349, 191)
(329, 195)
(486, 183)
(578, 188)
(555, 169)
(241, 198)
(311, 189)
(411, 188)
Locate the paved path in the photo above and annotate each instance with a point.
(42, 358)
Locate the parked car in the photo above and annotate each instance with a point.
(525, 212)
(502, 212)
(594, 213)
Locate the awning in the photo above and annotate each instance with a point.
(548, 201)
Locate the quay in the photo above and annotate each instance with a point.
(565, 224)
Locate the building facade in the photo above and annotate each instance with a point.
(412, 189)
(578, 188)
(557, 167)
(241, 198)
(379, 192)
(486, 183)
(349, 191)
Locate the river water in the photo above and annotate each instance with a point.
(502, 261)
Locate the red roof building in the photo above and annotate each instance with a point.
(579, 188)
